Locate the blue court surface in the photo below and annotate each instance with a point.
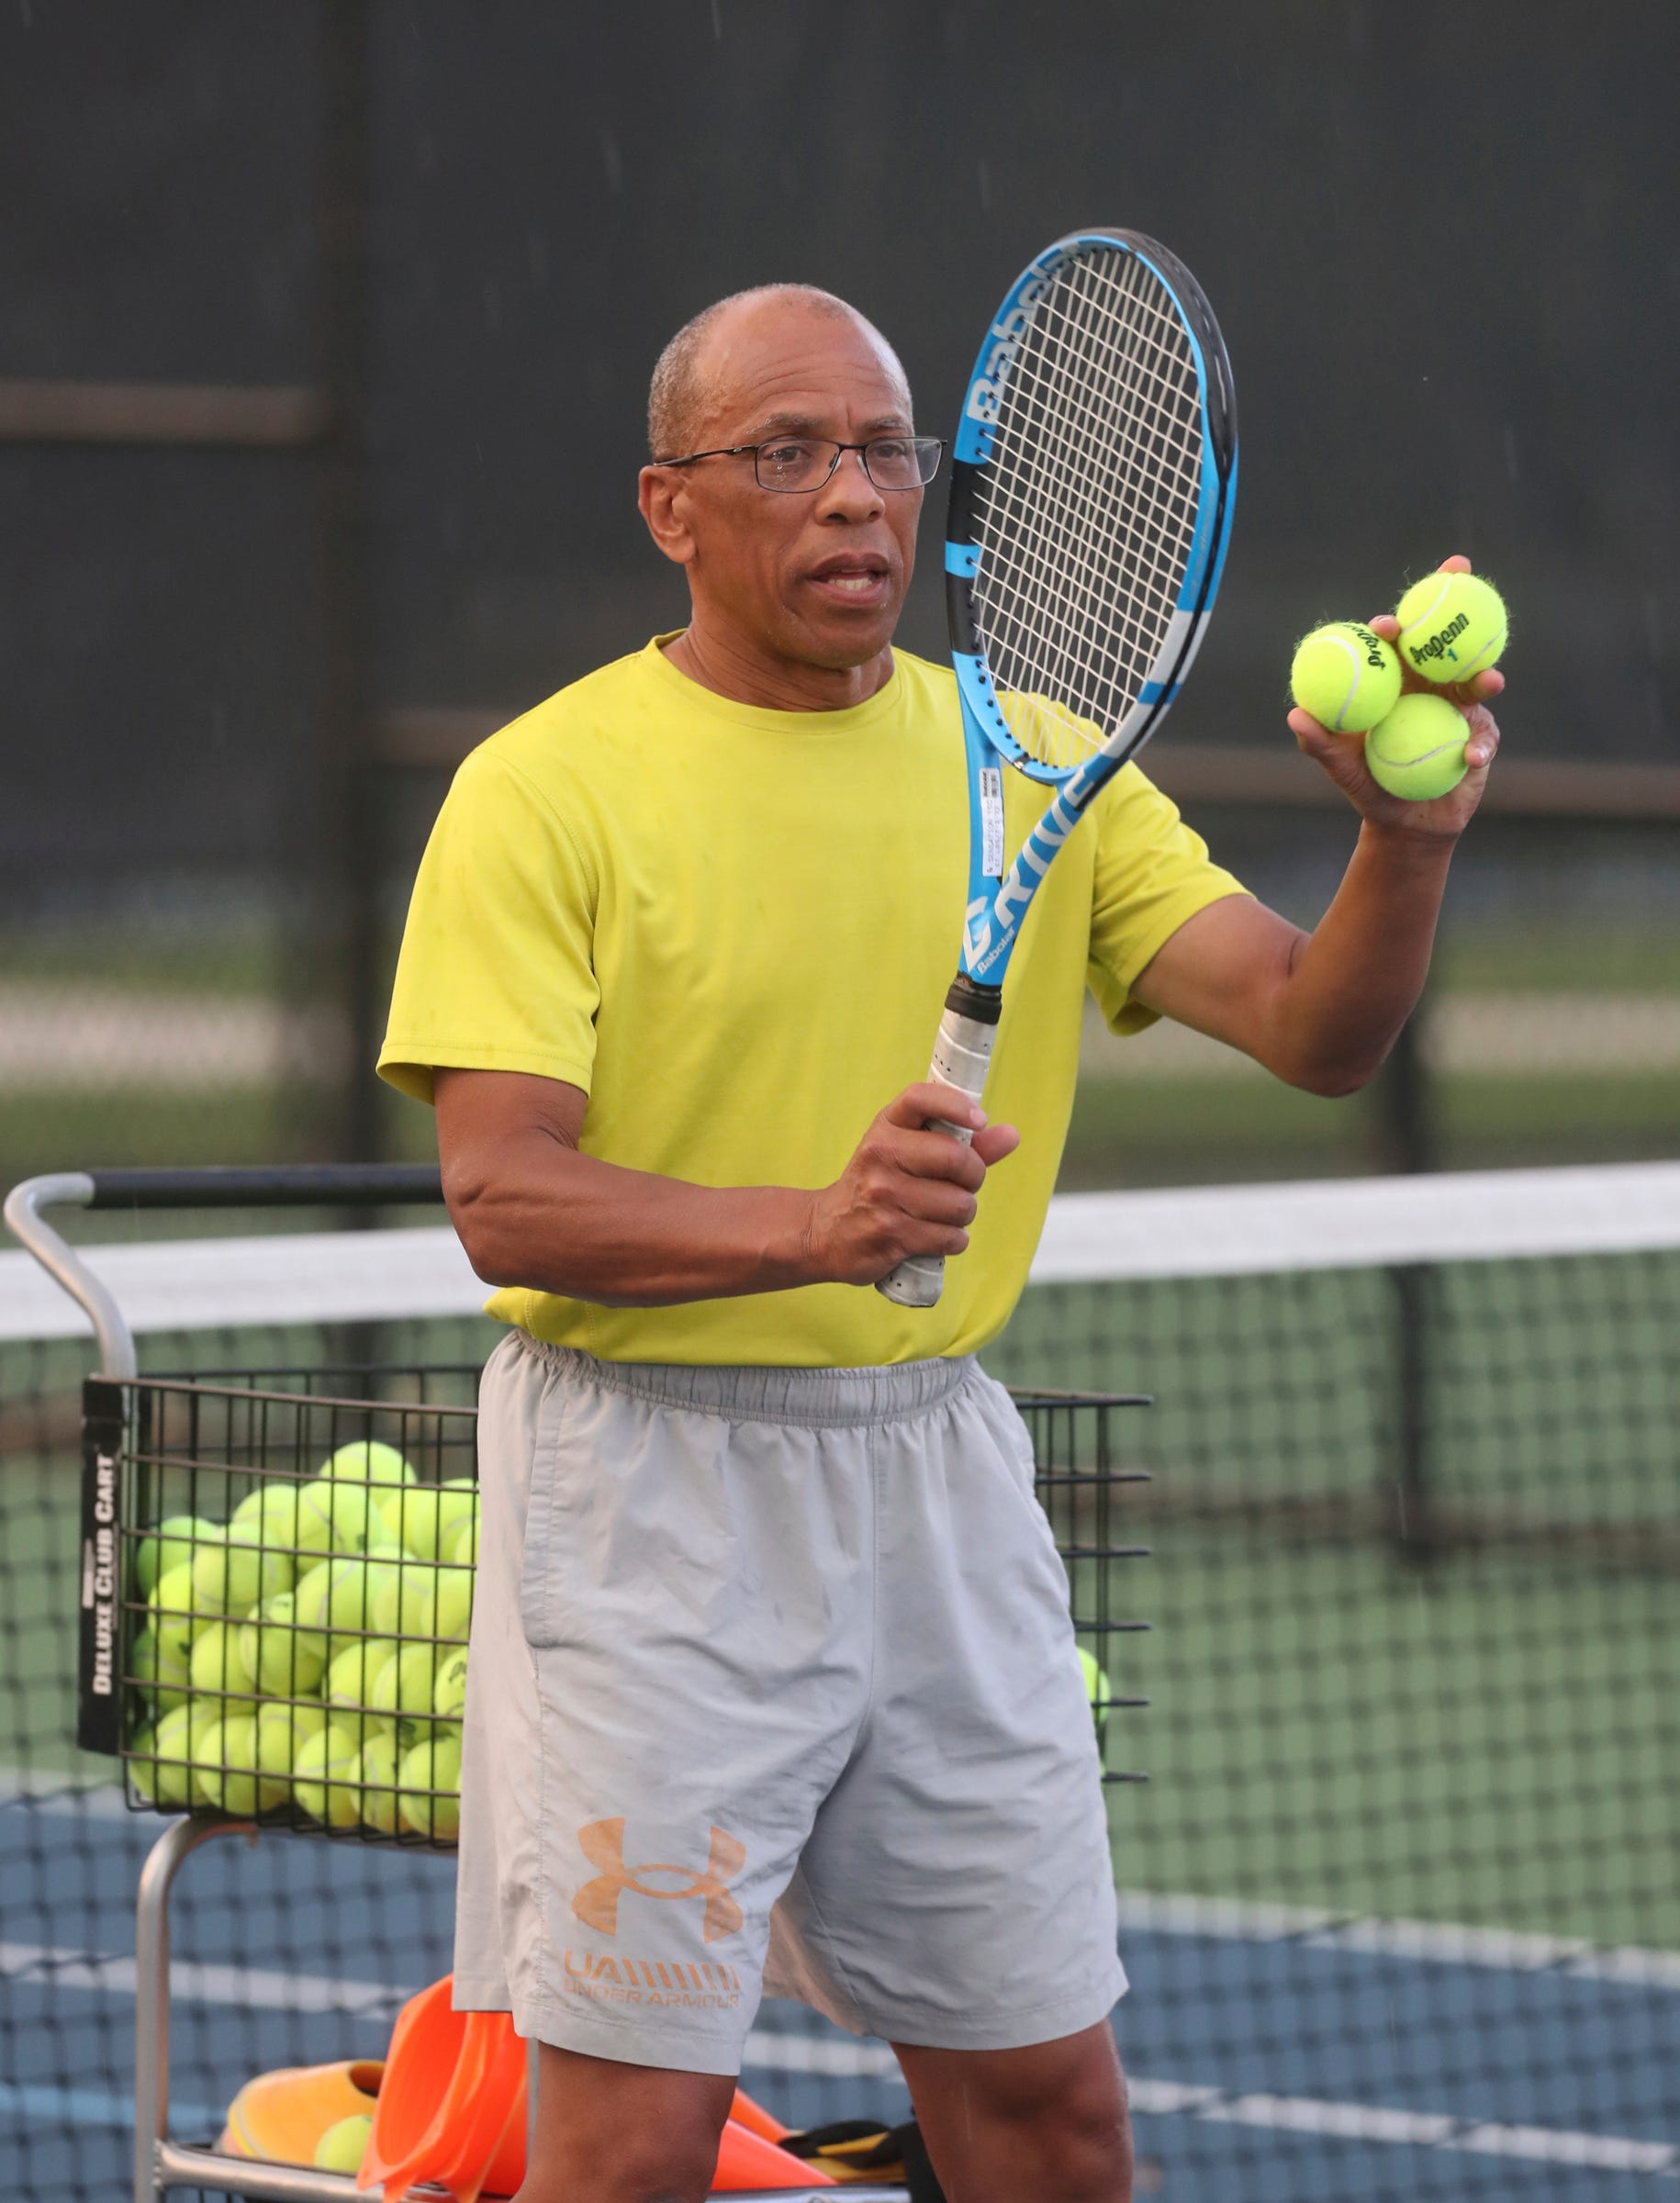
(1274, 2057)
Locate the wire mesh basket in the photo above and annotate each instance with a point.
(279, 1586)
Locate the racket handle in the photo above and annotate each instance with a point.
(961, 1055)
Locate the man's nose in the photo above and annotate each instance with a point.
(849, 488)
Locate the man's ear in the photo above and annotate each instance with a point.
(659, 493)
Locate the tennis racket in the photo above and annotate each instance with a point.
(1093, 477)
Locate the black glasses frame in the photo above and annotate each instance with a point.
(837, 451)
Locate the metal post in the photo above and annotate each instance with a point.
(346, 825)
(164, 1862)
(1407, 1132)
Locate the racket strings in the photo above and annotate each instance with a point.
(1087, 506)
(1059, 571)
(1071, 435)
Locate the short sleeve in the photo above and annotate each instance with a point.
(496, 969)
(1152, 873)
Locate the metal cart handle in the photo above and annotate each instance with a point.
(220, 1186)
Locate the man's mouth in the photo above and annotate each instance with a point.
(862, 577)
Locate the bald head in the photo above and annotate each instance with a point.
(691, 378)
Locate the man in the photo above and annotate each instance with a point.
(771, 1672)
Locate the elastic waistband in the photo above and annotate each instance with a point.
(749, 1394)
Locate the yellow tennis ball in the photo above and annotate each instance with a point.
(405, 1686)
(412, 1516)
(321, 1771)
(429, 1797)
(237, 1574)
(1451, 626)
(373, 1778)
(271, 1512)
(227, 1778)
(160, 1668)
(1419, 750)
(349, 1687)
(344, 2145)
(1347, 678)
(174, 1540)
(180, 1736)
(217, 1665)
(332, 1518)
(368, 1461)
(459, 1542)
(173, 1612)
(157, 1767)
(449, 1695)
(1098, 1689)
(282, 1730)
(283, 1659)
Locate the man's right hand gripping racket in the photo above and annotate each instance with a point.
(1093, 477)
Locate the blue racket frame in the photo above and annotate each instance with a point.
(998, 900)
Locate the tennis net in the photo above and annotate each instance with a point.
(1401, 1900)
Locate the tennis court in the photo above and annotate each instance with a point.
(1400, 1899)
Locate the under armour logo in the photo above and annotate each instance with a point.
(596, 1902)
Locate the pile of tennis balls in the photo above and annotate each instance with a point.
(1453, 626)
(311, 1650)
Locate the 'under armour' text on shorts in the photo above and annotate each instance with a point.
(772, 1686)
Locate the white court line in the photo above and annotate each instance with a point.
(1440, 1942)
(770, 2051)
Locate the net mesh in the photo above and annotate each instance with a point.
(1086, 511)
(1399, 1900)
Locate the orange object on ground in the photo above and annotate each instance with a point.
(756, 2118)
(452, 2111)
(280, 2116)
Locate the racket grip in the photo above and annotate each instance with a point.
(961, 1056)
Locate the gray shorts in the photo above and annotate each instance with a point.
(772, 1688)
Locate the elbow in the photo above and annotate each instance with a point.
(480, 1213)
(1335, 1081)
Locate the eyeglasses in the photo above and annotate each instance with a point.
(798, 465)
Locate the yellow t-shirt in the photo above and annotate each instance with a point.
(735, 929)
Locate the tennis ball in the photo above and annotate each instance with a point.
(161, 1669)
(1419, 750)
(449, 1696)
(1098, 1688)
(373, 1777)
(173, 1612)
(412, 1516)
(160, 1767)
(180, 1736)
(282, 1730)
(459, 1542)
(339, 1595)
(217, 1666)
(406, 1686)
(236, 1575)
(456, 1500)
(332, 1518)
(146, 1772)
(228, 1777)
(175, 1539)
(1451, 626)
(321, 1771)
(271, 1511)
(283, 1659)
(367, 1461)
(1346, 676)
(429, 1798)
(348, 1689)
(344, 2145)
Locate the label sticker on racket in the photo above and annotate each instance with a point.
(991, 821)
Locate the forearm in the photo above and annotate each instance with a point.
(543, 1215)
(1356, 978)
